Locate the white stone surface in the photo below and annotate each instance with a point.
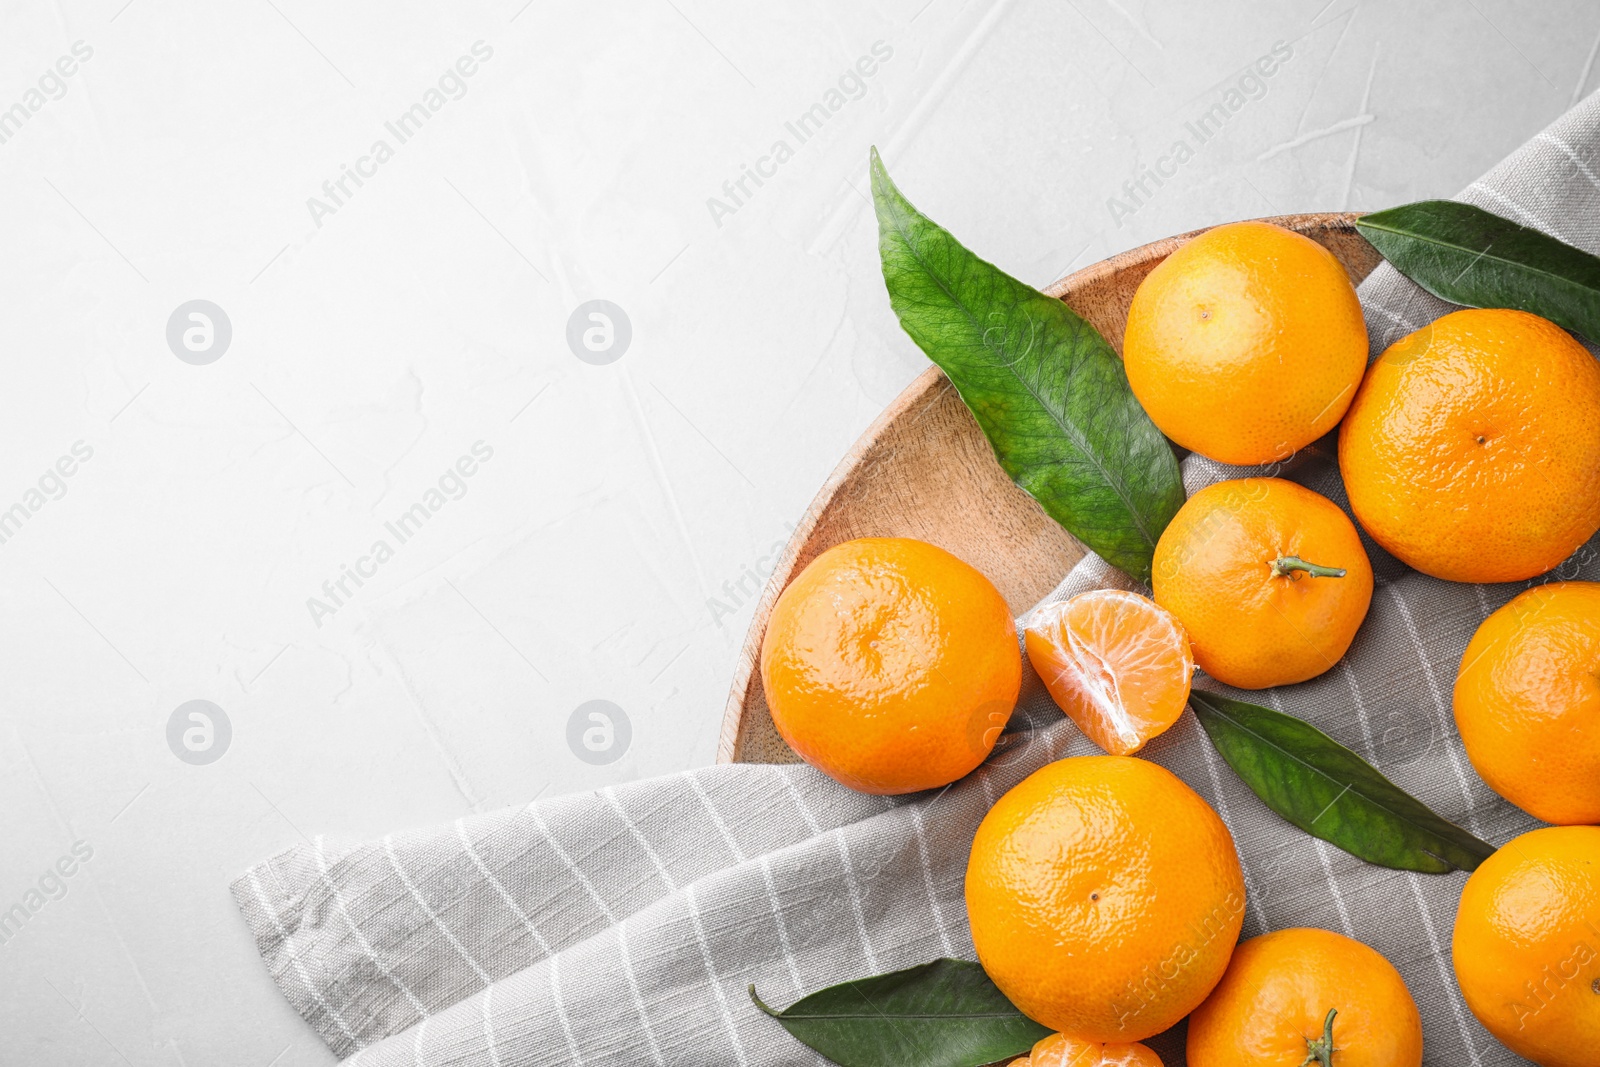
(373, 346)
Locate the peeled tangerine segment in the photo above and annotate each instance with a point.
(1117, 663)
(1059, 1050)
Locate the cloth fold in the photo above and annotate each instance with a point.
(624, 926)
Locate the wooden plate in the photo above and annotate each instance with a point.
(925, 470)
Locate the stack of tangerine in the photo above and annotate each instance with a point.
(1105, 896)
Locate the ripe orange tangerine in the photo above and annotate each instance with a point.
(1527, 702)
(1307, 996)
(891, 665)
(1105, 897)
(1268, 578)
(1472, 450)
(1246, 343)
(1117, 663)
(1527, 945)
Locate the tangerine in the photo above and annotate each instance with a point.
(1105, 897)
(1527, 702)
(891, 665)
(1527, 945)
(1268, 578)
(1117, 663)
(1246, 344)
(1472, 450)
(1299, 996)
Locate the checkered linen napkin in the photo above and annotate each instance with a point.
(623, 926)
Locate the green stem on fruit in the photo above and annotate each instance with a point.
(1285, 566)
(1320, 1050)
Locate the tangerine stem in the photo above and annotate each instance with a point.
(1320, 1050)
(1284, 566)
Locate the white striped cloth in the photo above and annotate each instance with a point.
(622, 927)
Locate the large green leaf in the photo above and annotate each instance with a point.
(1467, 255)
(1046, 388)
(1332, 793)
(941, 1014)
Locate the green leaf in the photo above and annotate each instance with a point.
(1048, 391)
(1330, 792)
(941, 1014)
(1470, 256)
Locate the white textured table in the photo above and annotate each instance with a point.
(386, 512)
